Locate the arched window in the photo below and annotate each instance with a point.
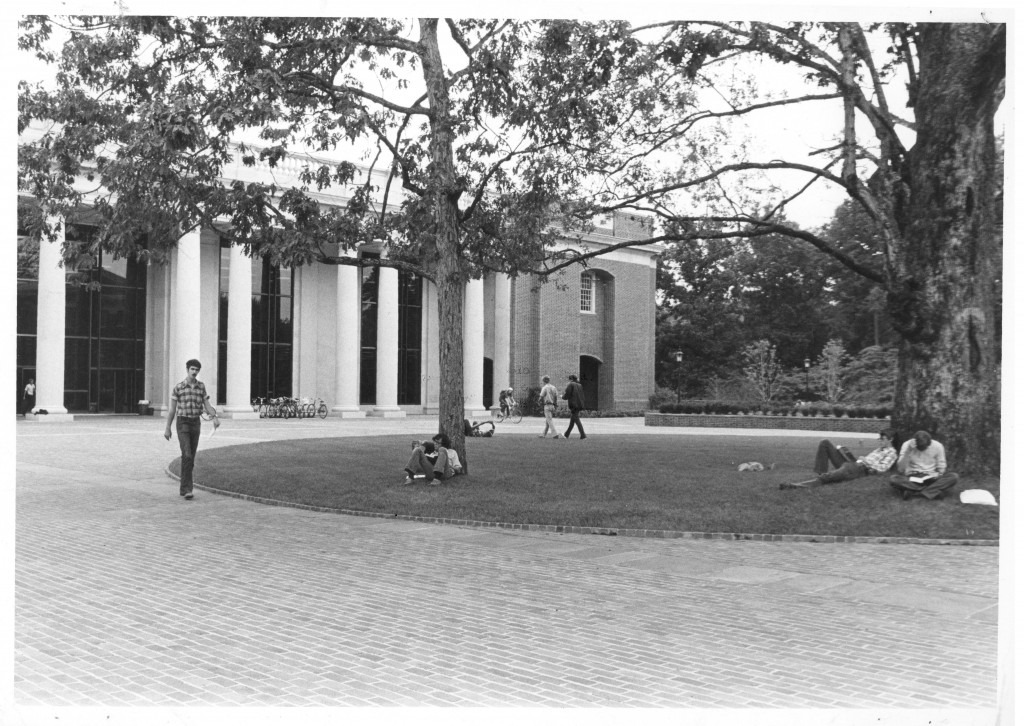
(586, 292)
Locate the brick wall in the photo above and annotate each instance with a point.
(632, 226)
(789, 423)
(550, 333)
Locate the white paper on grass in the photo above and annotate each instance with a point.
(978, 496)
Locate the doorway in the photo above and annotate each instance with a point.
(590, 379)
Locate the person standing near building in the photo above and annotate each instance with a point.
(28, 398)
(574, 397)
(548, 401)
(188, 401)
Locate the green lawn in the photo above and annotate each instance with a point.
(686, 483)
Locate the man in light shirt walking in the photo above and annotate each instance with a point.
(921, 469)
(549, 400)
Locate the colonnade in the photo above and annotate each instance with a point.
(182, 340)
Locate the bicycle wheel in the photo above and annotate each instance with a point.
(499, 415)
(516, 415)
(322, 410)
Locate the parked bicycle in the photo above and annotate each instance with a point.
(261, 406)
(311, 407)
(287, 407)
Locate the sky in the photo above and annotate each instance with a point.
(794, 131)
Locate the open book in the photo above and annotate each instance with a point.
(923, 478)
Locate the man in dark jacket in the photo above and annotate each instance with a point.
(574, 397)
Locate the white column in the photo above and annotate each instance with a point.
(473, 350)
(347, 358)
(387, 345)
(50, 328)
(502, 331)
(186, 305)
(239, 382)
(430, 344)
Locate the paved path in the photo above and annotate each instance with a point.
(126, 595)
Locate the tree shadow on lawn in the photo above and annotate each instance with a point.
(686, 483)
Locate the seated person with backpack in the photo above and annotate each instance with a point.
(847, 465)
(433, 461)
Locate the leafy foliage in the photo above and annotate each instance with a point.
(831, 369)
(762, 369)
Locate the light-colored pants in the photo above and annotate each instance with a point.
(549, 419)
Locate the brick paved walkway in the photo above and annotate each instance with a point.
(126, 595)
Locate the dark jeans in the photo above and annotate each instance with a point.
(27, 404)
(829, 453)
(929, 490)
(574, 420)
(188, 439)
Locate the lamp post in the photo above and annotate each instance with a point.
(679, 369)
(807, 374)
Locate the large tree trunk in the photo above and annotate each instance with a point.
(450, 275)
(945, 283)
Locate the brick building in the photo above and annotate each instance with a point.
(363, 340)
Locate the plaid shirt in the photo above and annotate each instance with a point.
(880, 460)
(190, 398)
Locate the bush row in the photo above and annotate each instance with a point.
(530, 404)
(852, 410)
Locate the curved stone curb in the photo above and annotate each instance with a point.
(609, 531)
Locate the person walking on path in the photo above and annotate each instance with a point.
(847, 465)
(574, 396)
(922, 469)
(549, 400)
(28, 398)
(188, 401)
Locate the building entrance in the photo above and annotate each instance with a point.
(590, 378)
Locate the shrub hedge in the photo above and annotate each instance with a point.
(852, 410)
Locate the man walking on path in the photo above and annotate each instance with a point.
(574, 396)
(922, 468)
(188, 400)
(28, 397)
(548, 400)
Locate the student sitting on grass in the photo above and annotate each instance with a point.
(432, 461)
(443, 443)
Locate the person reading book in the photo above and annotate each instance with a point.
(921, 469)
(847, 465)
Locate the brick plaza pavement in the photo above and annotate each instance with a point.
(126, 595)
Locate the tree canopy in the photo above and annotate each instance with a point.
(536, 127)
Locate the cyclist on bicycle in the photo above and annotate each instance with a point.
(505, 401)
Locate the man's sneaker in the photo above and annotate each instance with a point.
(189, 495)
(583, 436)
(408, 481)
